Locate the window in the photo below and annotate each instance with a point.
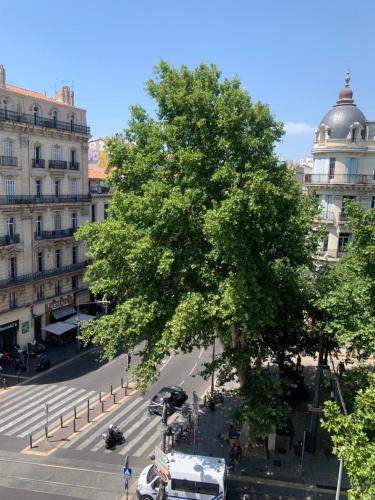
(57, 188)
(93, 213)
(39, 292)
(71, 123)
(54, 118)
(8, 149)
(74, 255)
(40, 262)
(12, 300)
(73, 187)
(73, 156)
(5, 108)
(38, 188)
(38, 225)
(373, 202)
(74, 282)
(57, 220)
(56, 153)
(323, 246)
(11, 228)
(37, 154)
(332, 165)
(74, 220)
(13, 268)
(57, 258)
(106, 206)
(36, 115)
(195, 487)
(344, 240)
(10, 187)
(351, 170)
(354, 135)
(57, 287)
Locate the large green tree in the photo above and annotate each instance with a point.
(206, 233)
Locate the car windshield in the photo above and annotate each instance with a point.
(151, 474)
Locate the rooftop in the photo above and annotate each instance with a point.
(97, 173)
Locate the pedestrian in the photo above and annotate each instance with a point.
(298, 363)
(341, 368)
(238, 454)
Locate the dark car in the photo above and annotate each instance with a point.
(177, 398)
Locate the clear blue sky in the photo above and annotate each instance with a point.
(292, 54)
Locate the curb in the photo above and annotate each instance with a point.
(59, 365)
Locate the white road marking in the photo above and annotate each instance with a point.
(146, 445)
(116, 417)
(15, 394)
(165, 364)
(181, 383)
(12, 402)
(200, 354)
(194, 367)
(133, 442)
(82, 398)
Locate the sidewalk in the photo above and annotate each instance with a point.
(56, 354)
(319, 470)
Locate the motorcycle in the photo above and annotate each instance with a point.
(112, 441)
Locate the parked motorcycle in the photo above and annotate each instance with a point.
(116, 438)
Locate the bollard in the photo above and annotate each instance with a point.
(61, 421)
(114, 398)
(88, 416)
(74, 425)
(31, 441)
(46, 431)
(102, 406)
(126, 391)
(4, 383)
(88, 405)
(111, 389)
(122, 383)
(100, 396)
(75, 412)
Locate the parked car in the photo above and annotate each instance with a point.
(177, 398)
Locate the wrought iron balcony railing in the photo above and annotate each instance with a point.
(26, 199)
(8, 161)
(60, 164)
(38, 163)
(9, 240)
(74, 165)
(9, 282)
(99, 189)
(39, 121)
(326, 216)
(318, 179)
(55, 234)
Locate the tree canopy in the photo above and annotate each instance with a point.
(207, 230)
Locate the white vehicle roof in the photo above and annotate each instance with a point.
(196, 467)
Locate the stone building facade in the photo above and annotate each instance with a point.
(343, 169)
(44, 198)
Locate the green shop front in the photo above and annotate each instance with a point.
(8, 335)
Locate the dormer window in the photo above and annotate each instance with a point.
(54, 118)
(35, 115)
(354, 135)
(71, 123)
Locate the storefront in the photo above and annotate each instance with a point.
(58, 310)
(8, 335)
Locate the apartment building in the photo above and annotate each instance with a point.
(343, 169)
(44, 198)
(100, 193)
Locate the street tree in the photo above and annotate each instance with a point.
(205, 230)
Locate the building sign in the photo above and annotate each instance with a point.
(25, 327)
(13, 325)
(58, 304)
(161, 464)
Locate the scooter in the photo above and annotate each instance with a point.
(111, 442)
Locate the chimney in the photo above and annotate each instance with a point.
(2, 76)
(64, 94)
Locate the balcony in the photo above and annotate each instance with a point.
(339, 179)
(8, 161)
(32, 277)
(38, 163)
(73, 165)
(326, 216)
(26, 199)
(9, 240)
(100, 189)
(57, 233)
(39, 121)
(59, 164)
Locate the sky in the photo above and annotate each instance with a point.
(290, 54)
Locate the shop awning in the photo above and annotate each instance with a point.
(58, 328)
(82, 318)
(63, 312)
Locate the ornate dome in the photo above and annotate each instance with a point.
(340, 118)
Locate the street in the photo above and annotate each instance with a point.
(82, 467)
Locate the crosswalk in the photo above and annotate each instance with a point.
(22, 412)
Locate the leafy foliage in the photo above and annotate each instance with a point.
(207, 230)
(354, 440)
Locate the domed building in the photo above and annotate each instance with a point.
(343, 168)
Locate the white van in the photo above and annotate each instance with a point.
(191, 477)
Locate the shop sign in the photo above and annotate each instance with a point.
(13, 325)
(58, 304)
(25, 327)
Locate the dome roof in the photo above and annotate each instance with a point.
(344, 114)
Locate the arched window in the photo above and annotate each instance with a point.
(54, 118)
(35, 115)
(5, 108)
(56, 153)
